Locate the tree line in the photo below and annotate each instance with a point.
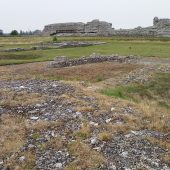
(16, 33)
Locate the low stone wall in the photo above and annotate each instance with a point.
(63, 61)
(67, 44)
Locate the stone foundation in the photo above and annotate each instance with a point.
(63, 61)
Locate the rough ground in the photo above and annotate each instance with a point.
(68, 125)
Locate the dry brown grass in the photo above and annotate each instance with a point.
(17, 72)
(84, 109)
(166, 158)
(56, 143)
(27, 164)
(165, 144)
(12, 132)
(12, 99)
(84, 132)
(23, 40)
(155, 117)
(105, 136)
(90, 72)
(39, 125)
(86, 158)
(116, 128)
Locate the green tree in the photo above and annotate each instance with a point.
(14, 32)
(1, 32)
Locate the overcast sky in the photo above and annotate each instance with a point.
(34, 14)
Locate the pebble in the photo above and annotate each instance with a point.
(97, 149)
(30, 146)
(108, 120)
(58, 165)
(124, 154)
(22, 158)
(34, 118)
(112, 167)
(93, 123)
(78, 115)
(94, 140)
(38, 105)
(113, 109)
(32, 111)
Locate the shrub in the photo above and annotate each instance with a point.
(55, 39)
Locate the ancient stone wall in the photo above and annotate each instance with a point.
(98, 27)
(160, 28)
(161, 23)
(94, 27)
(63, 28)
(149, 31)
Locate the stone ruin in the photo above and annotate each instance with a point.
(60, 62)
(160, 28)
(94, 27)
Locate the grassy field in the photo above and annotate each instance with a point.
(121, 46)
(157, 89)
(99, 96)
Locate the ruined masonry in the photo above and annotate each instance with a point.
(160, 28)
(94, 27)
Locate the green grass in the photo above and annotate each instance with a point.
(140, 47)
(158, 89)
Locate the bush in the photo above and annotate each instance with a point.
(55, 39)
